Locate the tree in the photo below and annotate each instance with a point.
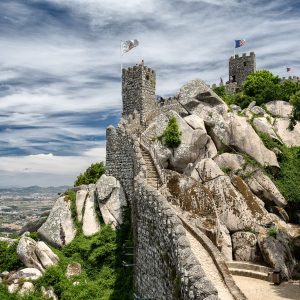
(171, 136)
(262, 86)
(91, 175)
(287, 89)
(295, 101)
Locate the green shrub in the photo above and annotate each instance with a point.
(272, 232)
(171, 136)
(295, 101)
(9, 260)
(91, 175)
(288, 177)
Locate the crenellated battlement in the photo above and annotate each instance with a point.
(138, 90)
(240, 66)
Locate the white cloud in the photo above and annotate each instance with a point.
(59, 68)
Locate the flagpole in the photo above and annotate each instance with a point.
(233, 48)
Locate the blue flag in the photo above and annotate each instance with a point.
(239, 43)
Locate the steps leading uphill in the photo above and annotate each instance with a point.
(152, 174)
(248, 269)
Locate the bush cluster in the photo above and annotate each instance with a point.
(262, 87)
(91, 175)
(171, 136)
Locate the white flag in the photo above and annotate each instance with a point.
(128, 45)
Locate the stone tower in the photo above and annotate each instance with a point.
(241, 66)
(138, 90)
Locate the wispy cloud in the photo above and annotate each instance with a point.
(60, 62)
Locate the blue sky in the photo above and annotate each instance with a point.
(60, 68)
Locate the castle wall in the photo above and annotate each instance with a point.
(241, 66)
(165, 267)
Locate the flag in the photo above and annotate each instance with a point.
(128, 45)
(288, 69)
(239, 43)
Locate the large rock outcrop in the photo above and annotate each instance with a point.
(59, 229)
(35, 254)
(111, 199)
(279, 108)
(244, 246)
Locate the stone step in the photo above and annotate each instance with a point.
(249, 273)
(248, 266)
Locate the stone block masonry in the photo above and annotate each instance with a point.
(165, 267)
(138, 90)
(241, 66)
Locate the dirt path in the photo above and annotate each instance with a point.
(256, 289)
(209, 268)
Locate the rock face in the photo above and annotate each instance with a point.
(35, 254)
(33, 225)
(225, 243)
(81, 196)
(276, 251)
(59, 229)
(279, 108)
(262, 125)
(111, 199)
(262, 186)
(244, 246)
(234, 162)
(90, 223)
(289, 137)
(25, 274)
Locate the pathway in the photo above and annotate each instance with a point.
(209, 268)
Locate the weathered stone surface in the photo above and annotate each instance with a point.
(262, 125)
(257, 110)
(90, 223)
(35, 254)
(262, 186)
(277, 252)
(73, 269)
(25, 274)
(279, 108)
(234, 162)
(59, 229)
(237, 207)
(289, 137)
(244, 246)
(26, 288)
(225, 243)
(26, 252)
(81, 196)
(12, 288)
(206, 170)
(49, 293)
(45, 255)
(111, 199)
(279, 211)
(243, 137)
(195, 122)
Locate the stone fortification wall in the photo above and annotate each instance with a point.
(241, 66)
(121, 160)
(138, 90)
(165, 267)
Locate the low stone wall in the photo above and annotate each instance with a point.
(165, 267)
(217, 257)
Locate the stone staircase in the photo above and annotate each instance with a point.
(248, 269)
(152, 174)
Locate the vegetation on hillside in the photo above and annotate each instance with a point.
(171, 136)
(262, 87)
(101, 256)
(288, 177)
(91, 175)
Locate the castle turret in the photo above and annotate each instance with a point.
(241, 66)
(138, 90)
